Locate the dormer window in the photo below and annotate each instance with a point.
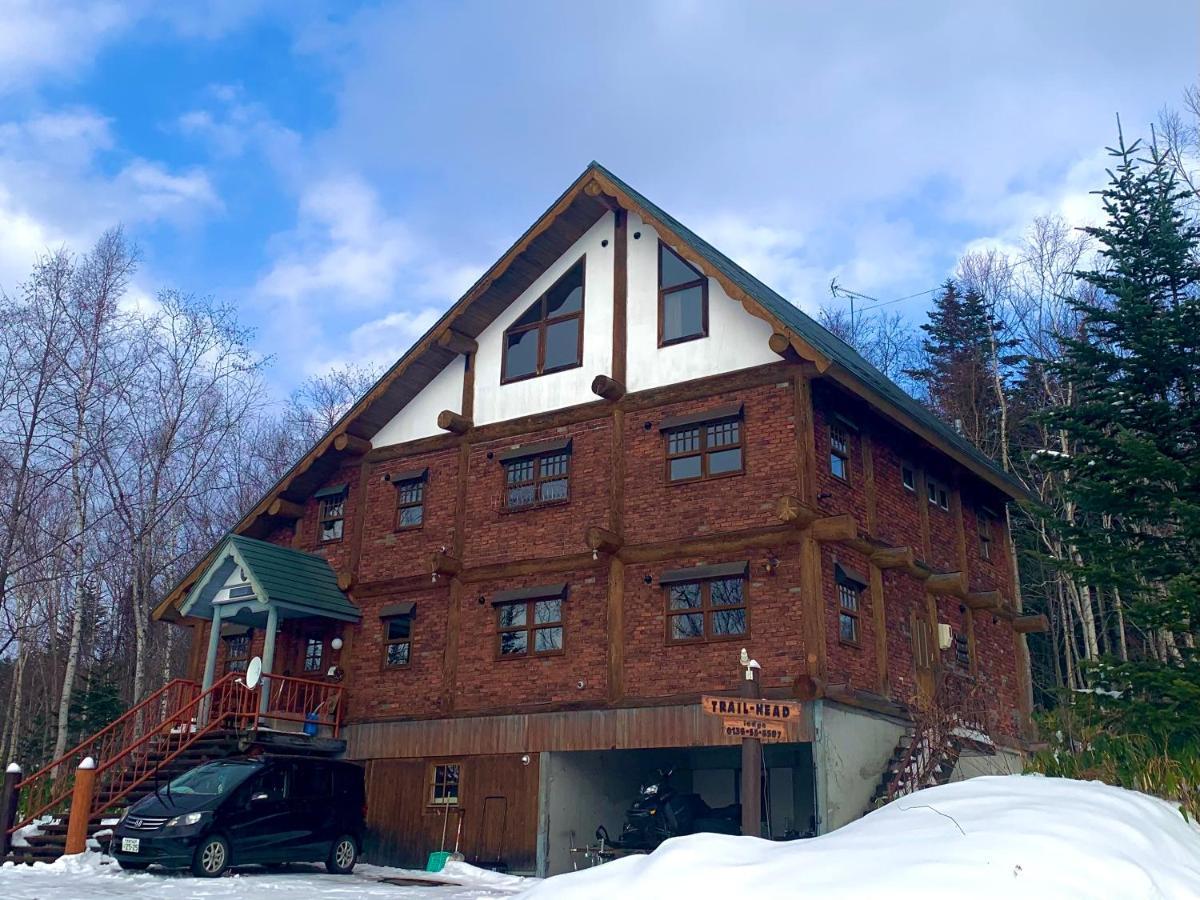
(682, 299)
(548, 337)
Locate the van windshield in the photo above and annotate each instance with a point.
(215, 778)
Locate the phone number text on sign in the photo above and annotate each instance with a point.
(754, 728)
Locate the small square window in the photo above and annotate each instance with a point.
(533, 627)
(541, 480)
(444, 782)
(939, 494)
(714, 609)
(984, 521)
(908, 477)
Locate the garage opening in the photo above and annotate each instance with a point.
(580, 791)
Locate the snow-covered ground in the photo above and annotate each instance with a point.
(1006, 836)
(91, 876)
(1011, 836)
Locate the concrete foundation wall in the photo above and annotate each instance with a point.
(851, 751)
(972, 765)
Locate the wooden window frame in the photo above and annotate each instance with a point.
(843, 454)
(706, 610)
(912, 471)
(539, 477)
(388, 642)
(703, 450)
(962, 640)
(324, 516)
(542, 324)
(932, 486)
(402, 505)
(700, 281)
(984, 522)
(431, 783)
(853, 613)
(230, 659)
(531, 628)
(309, 640)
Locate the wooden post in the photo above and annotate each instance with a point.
(268, 658)
(210, 663)
(8, 805)
(751, 765)
(81, 806)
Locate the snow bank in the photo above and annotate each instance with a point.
(1003, 836)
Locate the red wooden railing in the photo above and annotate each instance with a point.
(51, 785)
(129, 752)
(303, 700)
(227, 704)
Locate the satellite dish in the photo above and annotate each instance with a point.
(254, 672)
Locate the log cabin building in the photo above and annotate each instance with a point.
(553, 524)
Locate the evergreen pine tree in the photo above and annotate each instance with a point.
(1135, 477)
(961, 347)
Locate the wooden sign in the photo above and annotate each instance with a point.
(785, 711)
(768, 732)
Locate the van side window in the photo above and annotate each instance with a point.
(273, 783)
(310, 781)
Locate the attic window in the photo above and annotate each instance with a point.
(682, 299)
(939, 494)
(908, 477)
(548, 337)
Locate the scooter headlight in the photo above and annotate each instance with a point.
(186, 819)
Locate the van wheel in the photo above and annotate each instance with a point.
(211, 858)
(342, 856)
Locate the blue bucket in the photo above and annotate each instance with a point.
(310, 724)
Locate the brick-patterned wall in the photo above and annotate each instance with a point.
(388, 552)
(656, 510)
(418, 689)
(655, 667)
(855, 665)
(495, 534)
(486, 680)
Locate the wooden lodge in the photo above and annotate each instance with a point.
(513, 569)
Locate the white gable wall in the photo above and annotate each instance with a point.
(496, 402)
(736, 339)
(419, 418)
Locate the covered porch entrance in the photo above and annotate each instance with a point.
(283, 607)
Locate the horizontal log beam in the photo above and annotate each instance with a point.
(953, 584)
(794, 511)
(751, 539)
(348, 443)
(445, 564)
(608, 388)
(551, 565)
(1030, 624)
(893, 558)
(285, 509)
(835, 528)
(984, 600)
(457, 342)
(602, 540)
(453, 422)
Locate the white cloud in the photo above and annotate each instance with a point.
(379, 342)
(39, 39)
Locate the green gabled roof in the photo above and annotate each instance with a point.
(841, 353)
(293, 577)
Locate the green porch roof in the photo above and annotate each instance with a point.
(301, 583)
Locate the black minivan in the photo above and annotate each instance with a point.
(231, 812)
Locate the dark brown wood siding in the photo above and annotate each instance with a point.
(499, 806)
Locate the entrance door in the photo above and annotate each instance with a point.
(923, 657)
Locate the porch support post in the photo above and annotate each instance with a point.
(268, 657)
(210, 662)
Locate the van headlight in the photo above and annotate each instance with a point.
(186, 819)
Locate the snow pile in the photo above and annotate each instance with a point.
(92, 876)
(1002, 836)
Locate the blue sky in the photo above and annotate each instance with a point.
(342, 172)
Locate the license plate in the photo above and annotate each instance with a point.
(130, 845)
